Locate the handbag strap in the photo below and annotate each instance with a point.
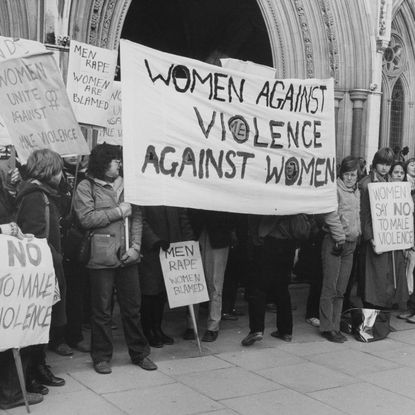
(47, 214)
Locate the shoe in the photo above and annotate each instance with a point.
(62, 349)
(411, 319)
(146, 364)
(251, 338)
(341, 336)
(405, 315)
(83, 346)
(210, 336)
(189, 334)
(165, 339)
(103, 368)
(332, 336)
(36, 387)
(155, 341)
(313, 321)
(32, 399)
(46, 377)
(237, 312)
(229, 316)
(286, 337)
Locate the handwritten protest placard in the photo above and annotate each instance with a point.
(220, 139)
(112, 132)
(27, 286)
(183, 274)
(392, 208)
(14, 48)
(91, 72)
(36, 109)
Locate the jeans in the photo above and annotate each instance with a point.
(275, 260)
(336, 274)
(127, 283)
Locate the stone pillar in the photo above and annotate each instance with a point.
(358, 97)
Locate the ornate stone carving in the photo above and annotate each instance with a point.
(331, 37)
(308, 48)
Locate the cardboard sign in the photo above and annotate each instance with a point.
(36, 109)
(392, 209)
(27, 287)
(220, 139)
(112, 132)
(183, 274)
(91, 73)
(15, 48)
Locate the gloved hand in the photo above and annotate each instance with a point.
(337, 249)
(130, 256)
(161, 243)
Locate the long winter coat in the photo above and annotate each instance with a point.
(160, 223)
(31, 217)
(377, 284)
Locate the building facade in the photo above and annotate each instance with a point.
(365, 45)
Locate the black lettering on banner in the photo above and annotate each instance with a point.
(188, 158)
(181, 72)
(290, 133)
(209, 77)
(231, 86)
(318, 172)
(317, 134)
(201, 161)
(174, 165)
(165, 79)
(217, 165)
(290, 180)
(217, 87)
(245, 157)
(230, 175)
(274, 134)
(264, 93)
(239, 128)
(151, 158)
(305, 170)
(274, 173)
(306, 124)
(205, 131)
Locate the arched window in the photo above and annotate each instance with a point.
(396, 120)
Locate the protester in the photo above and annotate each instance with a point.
(275, 263)
(215, 232)
(376, 285)
(38, 213)
(409, 314)
(11, 394)
(339, 243)
(100, 208)
(76, 275)
(162, 226)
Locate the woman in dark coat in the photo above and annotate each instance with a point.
(377, 287)
(162, 225)
(38, 214)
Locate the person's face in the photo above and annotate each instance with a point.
(397, 174)
(56, 179)
(350, 178)
(113, 170)
(71, 160)
(410, 169)
(382, 169)
(290, 169)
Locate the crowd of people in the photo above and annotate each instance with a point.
(50, 197)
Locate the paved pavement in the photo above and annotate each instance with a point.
(308, 376)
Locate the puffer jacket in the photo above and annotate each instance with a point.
(96, 204)
(344, 224)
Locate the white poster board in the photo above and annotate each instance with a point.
(183, 274)
(35, 107)
(15, 48)
(112, 132)
(91, 73)
(27, 287)
(220, 139)
(392, 209)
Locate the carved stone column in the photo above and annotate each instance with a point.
(338, 97)
(358, 97)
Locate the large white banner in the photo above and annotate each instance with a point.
(91, 72)
(112, 132)
(35, 107)
(27, 286)
(183, 274)
(201, 136)
(15, 48)
(392, 210)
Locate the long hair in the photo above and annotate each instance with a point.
(43, 165)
